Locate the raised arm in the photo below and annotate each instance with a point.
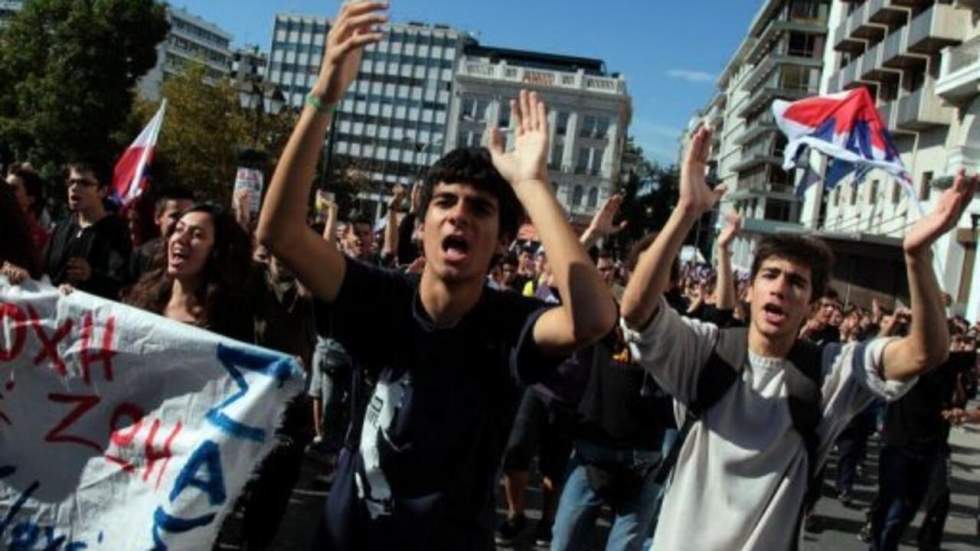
(587, 311)
(330, 226)
(726, 283)
(652, 275)
(390, 246)
(602, 225)
(927, 344)
(282, 223)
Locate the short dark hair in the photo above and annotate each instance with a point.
(172, 193)
(33, 186)
(806, 251)
(474, 166)
(509, 259)
(96, 168)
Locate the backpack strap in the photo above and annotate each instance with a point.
(717, 377)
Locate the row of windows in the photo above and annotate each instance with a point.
(477, 110)
(194, 30)
(398, 125)
(198, 51)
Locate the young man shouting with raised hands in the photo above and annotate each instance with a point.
(448, 352)
(765, 421)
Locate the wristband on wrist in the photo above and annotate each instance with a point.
(319, 106)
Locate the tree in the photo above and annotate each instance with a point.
(68, 68)
(205, 131)
(649, 194)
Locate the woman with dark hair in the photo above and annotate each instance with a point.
(18, 255)
(28, 189)
(205, 274)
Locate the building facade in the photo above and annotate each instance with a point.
(8, 8)
(921, 61)
(190, 39)
(590, 111)
(392, 123)
(780, 58)
(248, 64)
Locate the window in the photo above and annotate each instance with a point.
(873, 195)
(561, 126)
(577, 196)
(503, 119)
(602, 128)
(588, 127)
(802, 44)
(896, 193)
(582, 164)
(593, 201)
(557, 152)
(837, 196)
(925, 190)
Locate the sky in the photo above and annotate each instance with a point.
(670, 51)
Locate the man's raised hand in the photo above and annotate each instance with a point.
(696, 197)
(733, 224)
(529, 159)
(354, 28)
(602, 223)
(943, 217)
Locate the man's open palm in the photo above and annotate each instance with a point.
(529, 159)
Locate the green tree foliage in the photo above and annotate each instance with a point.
(205, 130)
(649, 194)
(68, 68)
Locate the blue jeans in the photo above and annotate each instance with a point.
(634, 521)
(904, 477)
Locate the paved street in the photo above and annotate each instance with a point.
(840, 524)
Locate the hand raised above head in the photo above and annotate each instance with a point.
(355, 27)
(696, 197)
(943, 217)
(529, 159)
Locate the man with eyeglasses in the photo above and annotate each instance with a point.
(90, 249)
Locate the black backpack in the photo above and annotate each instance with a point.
(804, 380)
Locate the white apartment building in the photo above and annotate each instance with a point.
(590, 112)
(920, 59)
(780, 58)
(8, 8)
(249, 63)
(393, 119)
(190, 38)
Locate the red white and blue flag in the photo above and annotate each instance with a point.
(847, 128)
(128, 181)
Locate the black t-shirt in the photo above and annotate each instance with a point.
(916, 419)
(105, 245)
(828, 335)
(423, 474)
(622, 407)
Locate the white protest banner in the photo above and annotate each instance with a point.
(249, 183)
(121, 430)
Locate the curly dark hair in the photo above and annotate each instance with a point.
(474, 166)
(228, 275)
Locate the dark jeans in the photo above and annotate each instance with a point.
(905, 474)
(852, 444)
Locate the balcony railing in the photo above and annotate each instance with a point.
(939, 26)
(895, 52)
(922, 110)
(860, 26)
(872, 68)
(539, 77)
(761, 125)
(887, 111)
(959, 73)
(888, 11)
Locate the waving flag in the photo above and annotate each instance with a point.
(844, 126)
(127, 177)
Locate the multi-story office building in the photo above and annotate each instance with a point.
(248, 63)
(392, 122)
(780, 58)
(590, 111)
(8, 8)
(920, 59)
(190, 38)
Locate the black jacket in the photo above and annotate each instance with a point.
(105, 245)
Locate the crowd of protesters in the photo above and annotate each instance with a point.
(447, 360)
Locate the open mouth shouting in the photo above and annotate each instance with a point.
(455, 248)
(178, 256)
(774, 314)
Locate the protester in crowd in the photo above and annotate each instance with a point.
(409, 246)
(206, 275)
(546, 416)
(170, 203)
(913, 464)
(432, 437)
(748, 446)
(90, 249)
(721, 310)
(18, 256)
(28, 188)
(624, 426)
(820, 329)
